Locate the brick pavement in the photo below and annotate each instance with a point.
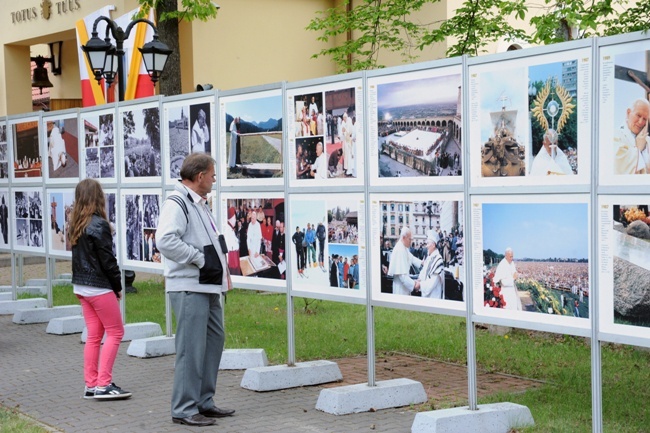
(41, 375)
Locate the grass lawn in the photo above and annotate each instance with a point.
(330, 330)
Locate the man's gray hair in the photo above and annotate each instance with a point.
(508, 250)
(196, 163)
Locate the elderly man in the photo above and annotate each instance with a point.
(631, 153)
(196, 275)
(506, 274)
(400, 264)
(550, 160)
(431, 281)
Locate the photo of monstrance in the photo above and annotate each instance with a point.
(502, 155)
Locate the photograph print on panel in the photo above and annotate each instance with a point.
(28, 219)
(326, 134)
(624, 112)
(254, 229)
(188, 127)
(531, 255)
(5, 219)
(531, 122)
(327, 248)
(251, 138)
(415, 127)
(140, 215)
(61, 204)
(4, 153)
(27, 165)
(141, 140)
(62, 148)
(624, 248)
(98, 150)
(419, 247)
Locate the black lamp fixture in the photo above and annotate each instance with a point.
(107, 60)
(40, 77)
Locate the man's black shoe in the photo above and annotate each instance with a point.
(215, 412)
(196, 420)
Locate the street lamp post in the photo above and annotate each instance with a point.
(107, 60)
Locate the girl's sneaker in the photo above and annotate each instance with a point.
(89, 392)
(111, 392)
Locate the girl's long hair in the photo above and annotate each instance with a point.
(89, 200)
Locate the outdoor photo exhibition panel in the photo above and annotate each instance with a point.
(188, 126)
(140, 209)
(253, 225)
(424, 269)
(5, 219)
(98, 152)
(326, 134)
(251, 137)
(4, 154)
(624, 269)
(27, 218)
(415, 125)
(139, 126)
(530, 260)
(327, 236)
(623, 114)
(60, 137)
(530, 118)
(25, 150)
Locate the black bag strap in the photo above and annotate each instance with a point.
(182, 204)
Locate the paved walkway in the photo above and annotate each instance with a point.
(41, 375)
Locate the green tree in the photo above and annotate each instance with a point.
(375, 25)
(168, 15)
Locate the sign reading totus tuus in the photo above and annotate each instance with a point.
(48, 9)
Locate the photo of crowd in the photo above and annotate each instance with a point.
(99, 145)
(27, 157)
(255, 236)
(422, 249)
(141, 131)
(28, 207)
(141, 212)
(62, 148)
(535, 257)
(418, 127)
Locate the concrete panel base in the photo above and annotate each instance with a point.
(66, 325)
(363, 398)
(5, 296)
(5, 289)
(489, 418)
(152, 347)
(36, 282)
(241, 359)
(282, 376)
(44, 315)
(134, 331)
(31, 290)
(10, 307)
